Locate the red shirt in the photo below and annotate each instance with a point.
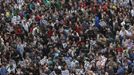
(119, 49)
(37, 18)
(78, 29)
(31, 29)
(50, 33)
(83, 5)
(18, 31)
(105, 7)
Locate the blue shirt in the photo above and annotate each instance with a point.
(132, 56)
(3, 71)
(121, 71)
(97, 21)
(20, 49)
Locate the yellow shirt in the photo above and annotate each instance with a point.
(7, 14)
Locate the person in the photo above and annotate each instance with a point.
(46, 37)
(3, 70)
(20, 50)
(120, 70)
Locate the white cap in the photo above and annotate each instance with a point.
(59, 67)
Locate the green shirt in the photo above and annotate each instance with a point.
(58, 4)
(47, 2)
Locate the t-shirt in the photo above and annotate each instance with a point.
(3, 71)
(7, 14)
(122, 34)
(128, 33)
(20, 48)
(121, 71)
(20, 1)
(52, 73)
(132, 12)
(65, 72)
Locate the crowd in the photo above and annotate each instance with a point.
(66, 37)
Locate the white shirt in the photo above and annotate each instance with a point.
(66, 72)
(34, 31)
(9, 69)
(43, 61)
(14, 19)
(52, 73)
(122, 34)
(64, 45)
(128, 33)
(132, 12)
(114, 1)
(10, 28)
(123, 23)
(20, 1)
(26, 27)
